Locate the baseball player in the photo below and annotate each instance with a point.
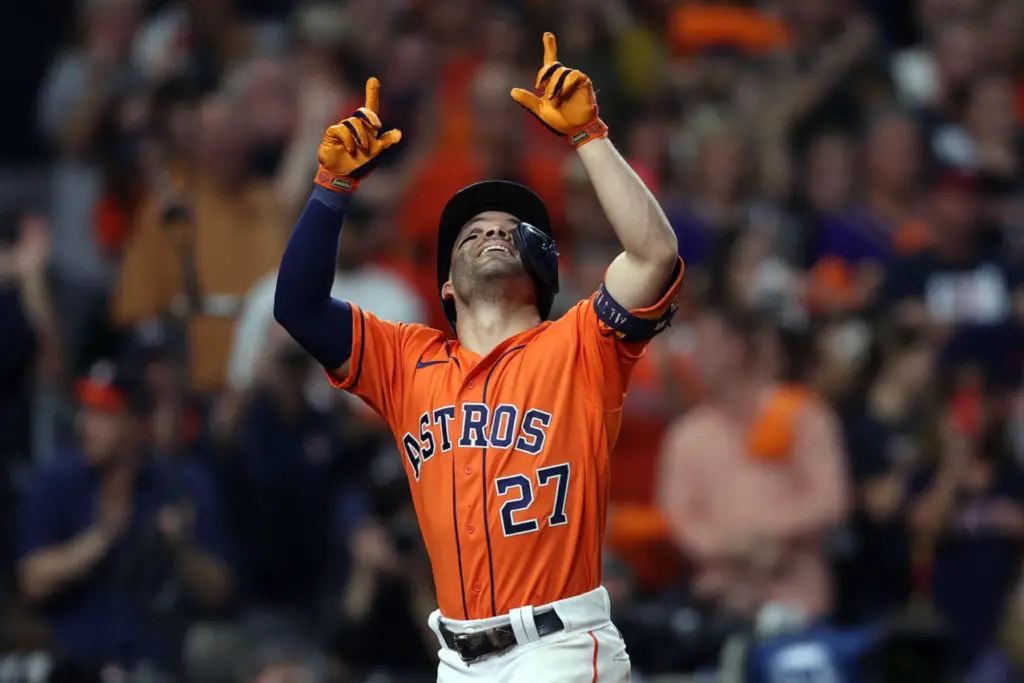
(505, 433)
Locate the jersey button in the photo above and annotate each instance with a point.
(476, 587)
(470, 529)
(468, 470)
(471, 385)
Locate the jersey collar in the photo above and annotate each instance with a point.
(468, 360)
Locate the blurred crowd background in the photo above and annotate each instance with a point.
(184, 498)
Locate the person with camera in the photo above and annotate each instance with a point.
(29, 360)
(280, 472)
(174, 263)
(386, 590)
(117, 549)
(966, 516)
(29, 349)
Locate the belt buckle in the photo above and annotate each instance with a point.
(459, 640)
(493, 637)
(465, 643)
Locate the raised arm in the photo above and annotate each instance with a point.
(638, 277)
(302, 301)
(565, 102)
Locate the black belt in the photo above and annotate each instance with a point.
(493, 641)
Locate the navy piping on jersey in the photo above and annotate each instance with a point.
(458, 546)
(420, 363)
(362, 347)
(483, 477)
(448, 350)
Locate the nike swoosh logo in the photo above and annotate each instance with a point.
(426, 364)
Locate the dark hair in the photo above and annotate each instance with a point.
(746, 324)
(10, 224)
(358, 216)
(986, 78)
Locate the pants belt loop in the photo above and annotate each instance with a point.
(523, 625)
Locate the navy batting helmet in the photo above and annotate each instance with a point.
(532, 236)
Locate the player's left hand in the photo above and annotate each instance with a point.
(563, 99)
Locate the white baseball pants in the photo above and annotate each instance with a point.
(589, 650)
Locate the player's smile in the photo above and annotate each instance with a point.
(496, 246)
(491, 243)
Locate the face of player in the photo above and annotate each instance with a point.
(484, 253)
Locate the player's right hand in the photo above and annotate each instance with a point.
(350, 149)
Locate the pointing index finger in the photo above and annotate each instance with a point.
(550, 49)
(372, 94)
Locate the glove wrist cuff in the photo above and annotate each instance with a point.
(342, 184)
(594, 130)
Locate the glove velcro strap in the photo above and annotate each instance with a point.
(592, 131)
(334, 182)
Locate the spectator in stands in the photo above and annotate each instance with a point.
(995, 138)
(198, 40)
(388, 594)
(957, 59)
(963, 284)
(202, 243)
(323, 93)
(30, 351)
(718, 206)
(280, 478)
(967, 514)
(753, 480)
(80, 113)
(859, 240)
(117, 549)
(881, 430)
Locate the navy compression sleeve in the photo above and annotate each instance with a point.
(302, 302)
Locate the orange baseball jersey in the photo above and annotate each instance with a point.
(506, 454)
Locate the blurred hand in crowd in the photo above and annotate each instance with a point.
(33, 246)
(994, 127)
(372, 549)
(175, 523)
(109, 29)
(114, 503)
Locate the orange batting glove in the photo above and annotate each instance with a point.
(563, 99)
(350, 148)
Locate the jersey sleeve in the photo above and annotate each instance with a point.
(382, 354)
(607, 354)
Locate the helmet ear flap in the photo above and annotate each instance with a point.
(539, 255)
